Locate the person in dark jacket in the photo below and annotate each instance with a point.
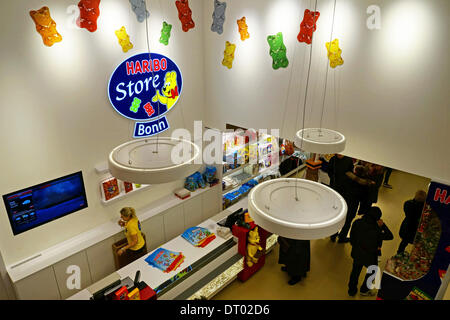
(413, 211)
(296, 256)
(365, 236)
(349, 186)
(375, 173)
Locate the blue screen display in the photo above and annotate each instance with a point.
(37, 205)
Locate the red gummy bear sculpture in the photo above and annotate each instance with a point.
(308, 26)
(185, 15)
(89, 12)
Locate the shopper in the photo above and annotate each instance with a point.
(350, 187)
(375, 173)
(413, 211)
(386, 178)
(365, 238)
(296, 256)
(136, 247)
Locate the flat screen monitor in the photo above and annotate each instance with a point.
(34, 206)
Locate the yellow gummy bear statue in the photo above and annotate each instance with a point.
(334, 53)
(228, 55)
(124, 39)
(45, 26)
(253, 247)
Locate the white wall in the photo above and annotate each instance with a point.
(392, 91)
(55, 116)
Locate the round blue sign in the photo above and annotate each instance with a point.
(142, 88)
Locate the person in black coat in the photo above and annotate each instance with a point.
(413, 211)
(365, 236)
(296, 256)
(350, 187)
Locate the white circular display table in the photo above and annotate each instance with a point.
(319, 213)
(320, 140)
(154, 160)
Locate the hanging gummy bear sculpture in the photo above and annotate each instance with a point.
(278, 51)
(243, 29)
(124, 39)
(89, 12)
(308, 26)
(165, 33)
(334, 53)
(228, 55)
(218, 16)
(138, 6)
(45, 26)
(185, 15)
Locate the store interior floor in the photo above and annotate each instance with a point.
(331, 263)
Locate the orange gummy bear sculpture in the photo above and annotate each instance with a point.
(308, 26)
(45, 26)
(185, 15)
(243, 29)
(89, 12)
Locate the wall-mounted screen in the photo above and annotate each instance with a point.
(42, 203)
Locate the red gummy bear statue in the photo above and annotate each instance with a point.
(185, 15)
(308, 26)
(89, 12)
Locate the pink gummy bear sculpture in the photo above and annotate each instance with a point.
(185, 15)
(308, 26)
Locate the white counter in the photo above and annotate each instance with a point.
(155, 277)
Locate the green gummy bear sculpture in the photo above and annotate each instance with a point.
(278, 51)
(165, 33)
(135, 105)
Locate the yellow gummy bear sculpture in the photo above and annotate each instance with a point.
(45, 26)
(243, 29)
(253, 247)
(228, 55)
(334, 53)
(124, 39)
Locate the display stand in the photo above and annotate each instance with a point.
(242, 234)
(421, 274)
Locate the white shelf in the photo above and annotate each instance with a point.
(123, 194)
(241, 167)
(247, 180)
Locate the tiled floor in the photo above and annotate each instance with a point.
(330, 262)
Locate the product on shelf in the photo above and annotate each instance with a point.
(210, 175)
(45, 26)
(165, 33)
(218, 16)
(165, 260)
(185, 15)
(182, 193)
(228, 54)
(138, 7)
(124, 39)
(190, 184)
(198, 236)
(243, 29)
(110, 188)
(89, 12)
(308, 26)
(334, 53)
(277, 51)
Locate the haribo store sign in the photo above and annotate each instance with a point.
(144, 90)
